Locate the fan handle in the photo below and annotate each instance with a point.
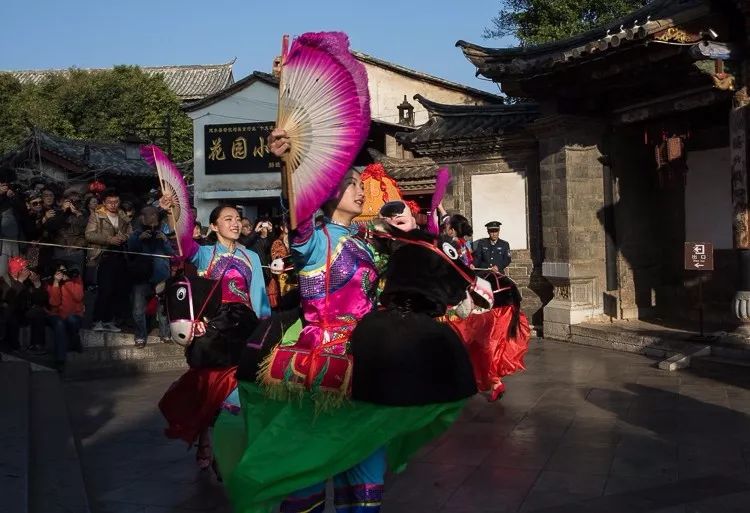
(287, 186)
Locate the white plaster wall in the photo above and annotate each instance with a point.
(255, 103)
(387, 90)
(500, 197)
(708, 200)
(258, 102)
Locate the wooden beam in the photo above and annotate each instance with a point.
(60, 161)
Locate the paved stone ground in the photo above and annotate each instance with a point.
(584, 430)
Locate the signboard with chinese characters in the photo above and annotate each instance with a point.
(699, 256)
(239, 148)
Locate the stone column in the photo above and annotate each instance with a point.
(738, 137)
(573, 237)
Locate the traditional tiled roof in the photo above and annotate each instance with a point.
(467, 124)
(406, 169)
(410, 174)
(233, 88)
(636, 28)
(447, 84)
(189, 83)
(80, 156)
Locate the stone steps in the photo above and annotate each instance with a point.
(675, 349)
(129, 352)
(108, 354)
(40, 468)
(125, 368)
(94, 339)
(657, 346)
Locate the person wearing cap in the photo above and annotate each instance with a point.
(492, 253)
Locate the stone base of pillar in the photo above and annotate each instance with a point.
(560, 315)
(576, 299)
(741, 310)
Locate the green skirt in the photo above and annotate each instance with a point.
(282, 447)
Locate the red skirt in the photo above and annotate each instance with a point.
(492, 352)
(192, 402)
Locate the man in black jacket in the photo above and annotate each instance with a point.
(492, 253)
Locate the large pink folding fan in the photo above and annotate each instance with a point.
(172, 184)
(324, 106)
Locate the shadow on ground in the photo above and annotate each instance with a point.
(583, 430)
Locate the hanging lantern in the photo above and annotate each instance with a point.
(97, 187)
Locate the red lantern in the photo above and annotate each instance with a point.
(97, 187)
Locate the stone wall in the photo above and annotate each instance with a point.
(525, 268)
(572, 196)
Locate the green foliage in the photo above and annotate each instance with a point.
(534, 22)
(11, 124)
(102, 105)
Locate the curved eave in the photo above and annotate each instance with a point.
(447, 110)
(635, 28)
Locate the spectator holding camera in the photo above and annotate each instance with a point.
(49, 200)
(68, 228)
(109, 228)
(65, 310)
(146, 272)
(260, 242)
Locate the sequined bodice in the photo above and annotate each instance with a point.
(352, 285)
(235, 275)
(346, 260)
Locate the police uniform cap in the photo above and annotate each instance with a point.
(493, 225)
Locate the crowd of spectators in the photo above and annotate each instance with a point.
(63, 249)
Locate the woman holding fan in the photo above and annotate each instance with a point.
(190, 405)
(311, 377)
(302, 418)
(301, 425)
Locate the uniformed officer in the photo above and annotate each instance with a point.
(492, 252)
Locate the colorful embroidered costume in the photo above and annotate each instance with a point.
(497, 340)
(191, 403)
(293, 444)
(239, 271)
(338, 280)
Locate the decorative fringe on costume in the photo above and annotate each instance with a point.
(286, 389)
(277, 389)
